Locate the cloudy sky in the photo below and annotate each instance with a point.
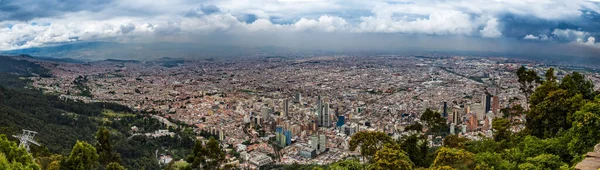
(567, 26)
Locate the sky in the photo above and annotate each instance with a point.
(566, 27)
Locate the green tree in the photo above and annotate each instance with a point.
(553, 113)
(550, 76)
(369, 142)
(14, 157)
(83, 156)
(417, 149)
(501, 129)
(215, 155)
(455, 158)
(114, 166)
(104, 148)
(553, 105)
(493, 160)
(435, 122)
(514, 111)
(416, 127)
(543, 161)
(455, 141)
(484, 145)
(391, 157)
(47, 162)
(585, 129)
(576, 83)
(349, 164)
(198, 156)
(528, 80)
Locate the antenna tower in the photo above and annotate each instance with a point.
(26, 138)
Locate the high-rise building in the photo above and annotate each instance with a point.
(326, 116)
(288, 137)
(319, 111)
(486, 102)
(314, 142)
(298, 98)
(322, 143)
(341, 121)
(221, 135)
(479, 110)
(265, 112)
(456, 116)
(445, 110)
(319, 143)
(286, 106)
(495, 105)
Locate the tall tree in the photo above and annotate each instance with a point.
(501, 129)
(350, 164)
(49, 161)
(492, 160)
(455, 158)
(435, 122)
(576, 83)
(104, 148)
(528, 80)
(455, 141)
(369, 142)
(198, 156)
(215, 155)
(586, 129)
(553, 113)
(83, 156)
(114, 166)
(391, 157)
(552, 105)
(417, 149)
(543, 161)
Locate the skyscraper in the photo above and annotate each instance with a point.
(322, 143)
(286, 106)
(326, 116)
(445, 110)
(456, 116)
(495, 105)
(298, 98)
(486, 102)
(341, 121)
(319, 111)
(288, 137)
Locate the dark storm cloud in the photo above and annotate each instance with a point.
(25, 10)
(519, 26)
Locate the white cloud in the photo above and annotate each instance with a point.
(438, 23)
(590, 41)
(531, 37)
(491, 29)
(324, 23)
(569, 34)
